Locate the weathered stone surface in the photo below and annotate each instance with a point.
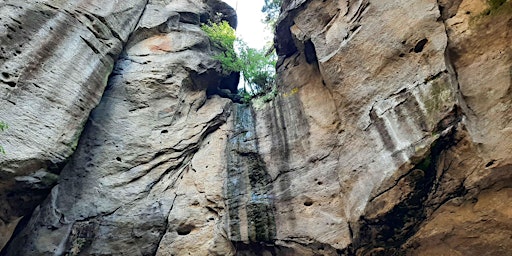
(55, 58)
(388, 136)
(394, 81)
(118, 191)
(478, 168)
(371, 86)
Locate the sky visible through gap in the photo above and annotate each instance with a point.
(250, 23)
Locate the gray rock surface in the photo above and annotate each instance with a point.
(387, 136)
(55, 59)
(117, 191)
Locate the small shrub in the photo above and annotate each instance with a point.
(245, 96)
(221, 34)
(223, 37)
(256, 66)
(258, 69)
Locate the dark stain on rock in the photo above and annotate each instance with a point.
(383, 131)
(386, 233)
(249, 185)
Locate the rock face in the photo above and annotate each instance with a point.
(388, 135)
(55, 59)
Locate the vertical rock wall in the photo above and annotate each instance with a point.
(249, 185)
(55, 59)
(400, 117)
(388, 136)
(127, 187)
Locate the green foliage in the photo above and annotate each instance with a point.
(496, 7)
(223, 37)
(259, 102)
(3, 126)
(495, 4)
(256, 66)
(221, 34)
(258, 69)
(271, 9)
(245, 96)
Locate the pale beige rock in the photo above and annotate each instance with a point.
(117, 192)
(55, 60)
(477, 222)
(373, 87)
(388, 136)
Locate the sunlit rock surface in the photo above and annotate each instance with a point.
(55, 59)
(389, 133)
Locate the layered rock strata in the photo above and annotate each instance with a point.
(388, 136)
(55, 60)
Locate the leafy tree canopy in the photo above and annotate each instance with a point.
(271, 9)
(256, 66)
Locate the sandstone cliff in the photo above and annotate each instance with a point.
(389, 135)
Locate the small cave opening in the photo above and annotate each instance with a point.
(226, 88)
(490, 163)
(310, 52)
(420, 45)
(184, 230)
(308, 202)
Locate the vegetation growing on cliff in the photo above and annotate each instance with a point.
(271, 9)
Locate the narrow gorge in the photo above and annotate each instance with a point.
(389, 133)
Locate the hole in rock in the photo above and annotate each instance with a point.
(11, 83)
(308, 202)
(401, 55)
(118, 159)
(184, 230)
(5, 75)
(490, 163)
(164, 131)
(227, 88)
(420, 45)
(320, 183)
(310, 52)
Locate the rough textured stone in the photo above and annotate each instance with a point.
(478, 168)
(138, 143)
(388, 136)
(391, 92)
(55, 58)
